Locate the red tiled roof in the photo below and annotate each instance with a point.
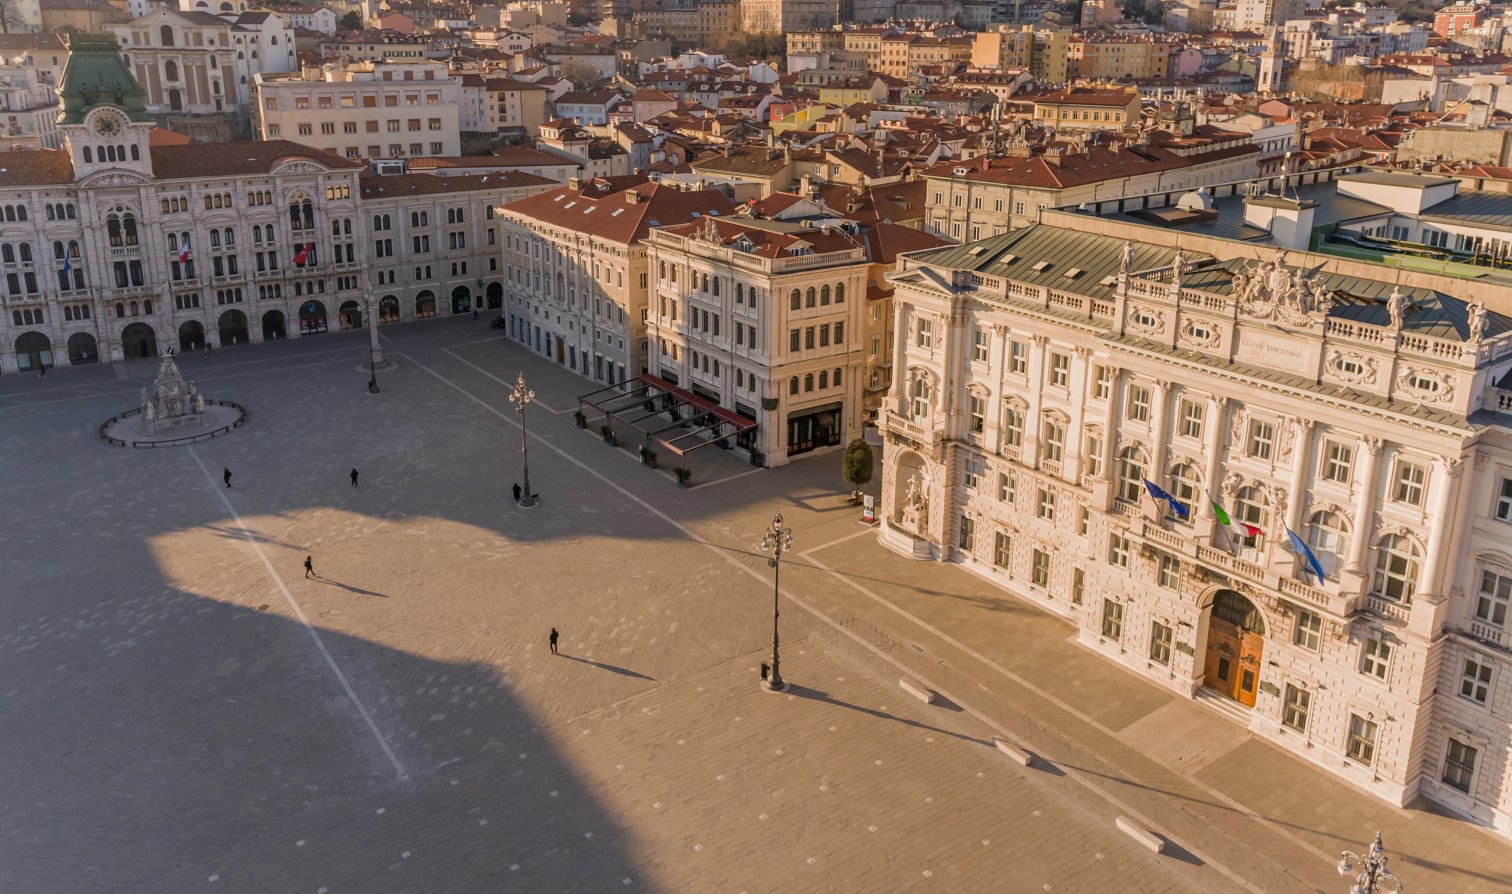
(374, 187)
(234, 159)
(36, 168)
(619, 209)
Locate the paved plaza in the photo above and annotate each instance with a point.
(181, 709)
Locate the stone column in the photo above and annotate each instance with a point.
(902, 332)
(1301, 462)
(1445, 482)
(1159, 436)
(1372, 447)
(1032, 421)
(1076, 439)
(994, 433)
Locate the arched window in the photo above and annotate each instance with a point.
(88, 156)
(921, 399)
(166, 33)
(823, 378)
(835, 379)
(26, 255)
(795, 300)
(170, 70)
(839, 293)
(120, 309)
(1251, 509)
(215, 239)
(58, 250)
(1185, 484)
(808, 297)
(301, 212)
(793, 385)
(7, 253)
(51, 215)
(73, 248)
(136, 154)
(113, 230)
(147, 306)
(824, 296)
(716, 287)
(1396, 568)
(1130, 474)
(739, 293)
(213, 63)
(808, 382)
(1328, 537)
(172, 242)
(230, 236)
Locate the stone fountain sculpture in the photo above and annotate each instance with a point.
(171, 402)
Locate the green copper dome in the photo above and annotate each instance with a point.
(96, 75)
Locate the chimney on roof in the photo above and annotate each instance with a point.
(633, 196)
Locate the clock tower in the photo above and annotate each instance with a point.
(103, 119)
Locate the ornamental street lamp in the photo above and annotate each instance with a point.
(375, 353)
(1373, 871)
(776, 540)
(521, 397)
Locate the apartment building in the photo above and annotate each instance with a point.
(365, 109)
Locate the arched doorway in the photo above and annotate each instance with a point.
(82, 348)
(495, 296)
(388, 309)
(33, 351)
(349, 316)
(1235, 642)
(461, 300)
(273, 325)
(192, 336)
(233, 328)
(425, 305)
(312, 318)
(138, 340)
(175, 100)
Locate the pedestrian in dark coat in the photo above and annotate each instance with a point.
(354, 477)
(226, 474)
(517, 493)
(554, 635)
(309, 566)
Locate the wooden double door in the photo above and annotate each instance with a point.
(1233, 660)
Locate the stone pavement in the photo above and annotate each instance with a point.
(183, 710)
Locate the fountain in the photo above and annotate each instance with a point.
(172, 411)
(173, 403)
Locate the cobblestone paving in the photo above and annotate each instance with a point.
(182, 710)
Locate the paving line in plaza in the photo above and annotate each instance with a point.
(821, 616)
(299, 612)
(1064, 706)
(488, 375)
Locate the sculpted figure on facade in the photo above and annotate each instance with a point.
(1477, 320)
(1396, 306)
(1236, 427)
(1126, 259)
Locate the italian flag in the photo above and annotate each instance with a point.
(1240, 529)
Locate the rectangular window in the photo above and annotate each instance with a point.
(1094, 460)
(978, 413)
(1160, 643)
(1309, 631)
(979, 344)
(1297, 702)
(1005, 487)
(1459, 765)
(1375, 657)
(1491, 602)
(1078, 585)
(1362, 739)
(1102, 382)
(1055, 441)
(1118, 550)
(1018, 357)
(824, 335)
(1475, 680)
(1060, 370)
(925, 333)
(1112, 619)
(1262, 436)
(1045, 505)
(1083, 521)
(973, 470)
(1338, 459)
(808, 338)
(1002, 550)
(1170, 572)
(1138, 408)
(793, 340)
(1039, 568)
(1408, 483)
(1013, 427)
(1504, 501)
(1193, 415)
(967, 540)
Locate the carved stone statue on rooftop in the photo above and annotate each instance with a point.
(1126, 260)
(1478, 321)
(1396, 306)
(1178, 267)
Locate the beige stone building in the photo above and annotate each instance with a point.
(365, 109)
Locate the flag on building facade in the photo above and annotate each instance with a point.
(1303, 551)
(1177, 507)
(304, 255)
(184, 254)
(1240, 529)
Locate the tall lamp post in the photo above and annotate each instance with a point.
(521, 398)
(375, 353)
(776, 540)
(1374, 876)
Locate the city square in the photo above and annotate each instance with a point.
(184, 709)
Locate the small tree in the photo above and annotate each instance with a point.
(857, 466)
(352, 21)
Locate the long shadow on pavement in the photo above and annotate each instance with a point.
(818, 696)
(608, 667)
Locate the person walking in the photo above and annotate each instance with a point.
(354, 477)
(517, 492)
(309, 567)
(554, 635)
(226, 474)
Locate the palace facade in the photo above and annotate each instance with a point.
(1042, 377)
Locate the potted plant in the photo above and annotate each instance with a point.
(683, 474)
(608, 434)
(856, 466)
(580, 419)
(647, 456)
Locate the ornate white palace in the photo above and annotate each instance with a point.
(1041, 377)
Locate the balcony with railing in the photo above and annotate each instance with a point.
(899, 424)
(1486, 633)
(1389, 609)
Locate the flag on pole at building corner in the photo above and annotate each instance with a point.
(184, 255)
(1240, 529)
(304, 255)
(1300, 547)
(67, 264)
(1159, 493)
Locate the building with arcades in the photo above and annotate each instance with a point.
(1276, 481)
(116, 247)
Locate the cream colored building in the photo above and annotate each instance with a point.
(1046, 374)
(365, 109)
